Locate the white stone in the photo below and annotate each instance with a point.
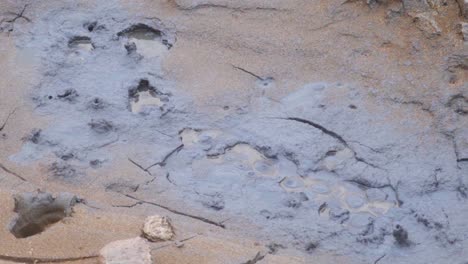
(158, 228)
(135, 251)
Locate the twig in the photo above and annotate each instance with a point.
(12, 173)
(43, 260)
(169, 179)
(248, 72)
(164, 160)
(381, 257)
(128, 206)
(208, 221)
(8, 117)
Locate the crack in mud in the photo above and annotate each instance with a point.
(203, 219)
(139, 166)
(17, 16)
(380, 258)
(331, 134)
(369, 185)
(162, 163)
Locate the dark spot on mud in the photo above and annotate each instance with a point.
(279, 215)
(459, 104)
(62, 170)
(77, 41)
(322, 208)
(339, 214)
(91, 26)
(67, 156)
(310, 247)
(131, 48)
(214, 201)
(37, 211)
(422, 219)
(273, 248)
(463, 191)
(352, 106)
(400, 235)
(226, 107)
(34, 136)
(265, 82)
(50, 97)
(101, 126)
(97, 104)
(69, 95)
(95, 163)
(296, 200)
(145, 86)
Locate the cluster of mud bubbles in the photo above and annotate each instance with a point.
(242, 163)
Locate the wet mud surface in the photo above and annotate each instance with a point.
(324, 167)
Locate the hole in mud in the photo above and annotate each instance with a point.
(459, 104)
(148, 41)
(95, 164)
(267, 82)
(37, 211)
(145, 95)
(81, 43)
(310, 247)
(90, 26)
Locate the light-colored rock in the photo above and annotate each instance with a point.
(134, 251)
(463, 7)
(427, 24)
(464, 30)
(158, 228)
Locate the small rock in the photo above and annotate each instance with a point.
(427, 24)
(135, 251)
(158, 228)
(464, 30)
(464, 7)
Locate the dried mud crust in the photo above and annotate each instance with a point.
(327, 167)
